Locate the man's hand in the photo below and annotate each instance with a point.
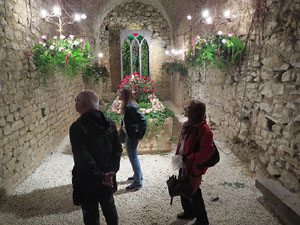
(108, 180)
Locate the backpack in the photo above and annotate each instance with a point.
(212, 161)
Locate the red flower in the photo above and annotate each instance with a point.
(131, 84)
(148, 79)
(139, 84)
(145, 82)
(146, 88)
(130, 76)
(141, 89)
(145, 91)
(141, 79)
(151, 81)
(134, 87)
(144, 78)
(135, 73)
(136, 92)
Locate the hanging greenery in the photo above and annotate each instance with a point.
(217, 51)
(67, 55)
(95, 72)
(175, 65)
(126, 58)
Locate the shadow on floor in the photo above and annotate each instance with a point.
(40, 202)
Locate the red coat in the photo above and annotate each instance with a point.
(198, 148)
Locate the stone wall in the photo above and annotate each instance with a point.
(257, 109)
(136, 16)
(35, 113)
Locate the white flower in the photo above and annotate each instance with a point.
(55, 37)
(62, 37)
(61, 49)
(44, 44)
(76, 43)
(71, 37)
(40, 42)
(51, 47)
(44, 37)
(219, 33)
(224, 41)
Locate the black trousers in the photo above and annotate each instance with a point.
(90, 211)
(195, 206)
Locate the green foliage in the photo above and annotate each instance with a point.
(66, 55)
(126, 58)
(216, 50)
(175, 65)
(95, 72)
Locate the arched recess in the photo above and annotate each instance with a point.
(135, 52)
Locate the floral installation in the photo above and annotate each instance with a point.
(217, 50)
(175, 65)
(68, 55)
(148, 103)
(140, 85)
(95, 71)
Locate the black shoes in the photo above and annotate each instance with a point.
(130, 178)
(185, 216)
(133, 187)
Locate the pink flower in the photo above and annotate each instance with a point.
(71, 37)
(51, 47)
(204, 41)
(44, 37)
(224, 41)
(219, 33)
(62, 37)
(44, 44)
(61, 49)
(230, 35)
(41, 43)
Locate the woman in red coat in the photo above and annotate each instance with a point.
(196, 146)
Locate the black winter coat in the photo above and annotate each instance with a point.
(96, 150)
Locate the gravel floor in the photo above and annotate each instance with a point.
(45, 198)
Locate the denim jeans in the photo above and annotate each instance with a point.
(132, 151)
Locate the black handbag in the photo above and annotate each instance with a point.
(122, 135)
(179, 186)
(213, 160)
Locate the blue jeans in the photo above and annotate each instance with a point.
(132, 151)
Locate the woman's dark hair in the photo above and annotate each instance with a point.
(197, 110)
(128, 97)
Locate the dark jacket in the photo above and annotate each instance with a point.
(96, 150)
(135, 121)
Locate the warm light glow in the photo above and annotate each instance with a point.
(209, 20)
(167, 52)
(43, 13)
(173, 51)
(56, 11)
(205, 13)
(83, 16)
(100, 55)
(180, 51)
(77, 17)
(227, 13)
(189, 17)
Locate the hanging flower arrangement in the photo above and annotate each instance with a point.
(175, 65)
(69, 55)
(217, 50)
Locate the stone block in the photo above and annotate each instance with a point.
(283, 203)
(17, 125)
(273, 170)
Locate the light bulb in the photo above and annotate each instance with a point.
(167, 52)
(100, 55)
(77, 17)
(43, 13)
(173, 51)
(83, 16)
(205, 13)
(56, 10)
(209, 20)
(227, 13)
(189, 17)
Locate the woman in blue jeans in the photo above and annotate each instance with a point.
(134, 124)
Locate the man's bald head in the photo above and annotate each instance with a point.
(86, 101)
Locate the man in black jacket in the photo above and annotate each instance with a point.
(96, 150)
